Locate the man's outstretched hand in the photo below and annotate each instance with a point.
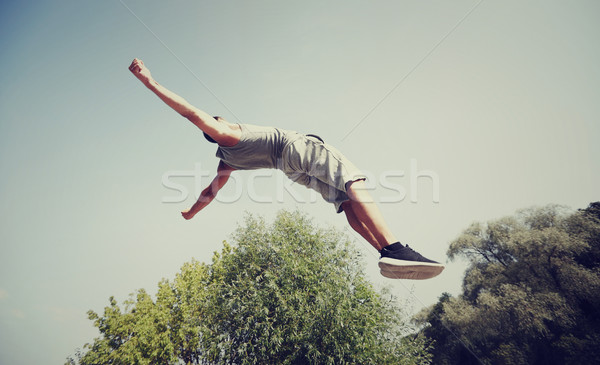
(188, 214)
(140, 71)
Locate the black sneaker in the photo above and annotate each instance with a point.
(402, 262)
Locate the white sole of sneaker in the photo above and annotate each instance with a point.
(411, 275)
(401, 269)
(387, 262)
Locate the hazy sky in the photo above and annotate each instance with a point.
(495, 111)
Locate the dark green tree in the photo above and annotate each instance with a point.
(447, 347)
(531, 294)
(285, 293)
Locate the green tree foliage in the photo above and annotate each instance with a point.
(286, 293)
(531, 294)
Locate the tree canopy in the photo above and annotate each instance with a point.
(285, 293)
(531, 293)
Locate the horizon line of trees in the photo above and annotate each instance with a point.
(293, 293)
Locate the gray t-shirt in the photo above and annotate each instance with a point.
(259, 147)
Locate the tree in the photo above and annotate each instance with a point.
(531, 294)
(288, 293)
(447, 347)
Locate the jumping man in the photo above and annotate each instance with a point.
(305, 159)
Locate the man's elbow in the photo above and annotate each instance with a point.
(207, 195)
(191, 115)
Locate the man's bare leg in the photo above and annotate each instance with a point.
(359, 226)
(396, 261)
(367, 217)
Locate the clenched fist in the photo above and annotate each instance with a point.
(140, 71)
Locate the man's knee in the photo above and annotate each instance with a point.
(354, 185)
(346, 207)
(357, 191)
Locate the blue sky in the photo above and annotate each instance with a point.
(501, 110)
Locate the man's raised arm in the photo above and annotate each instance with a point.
(200, 118)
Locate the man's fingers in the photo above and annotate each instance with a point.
(136, 63)
(135, 68)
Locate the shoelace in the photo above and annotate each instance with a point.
(415, 252)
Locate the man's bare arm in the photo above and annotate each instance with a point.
(200, 118)
(208, 194)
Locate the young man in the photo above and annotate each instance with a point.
(305, 159)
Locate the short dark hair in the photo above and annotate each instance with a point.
(209, 138)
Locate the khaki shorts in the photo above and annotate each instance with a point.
(311, 162)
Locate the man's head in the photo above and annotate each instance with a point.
(209, 138)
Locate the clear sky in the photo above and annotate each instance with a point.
(494, 103)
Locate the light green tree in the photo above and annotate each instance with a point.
(285, 293)
(531, 294)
